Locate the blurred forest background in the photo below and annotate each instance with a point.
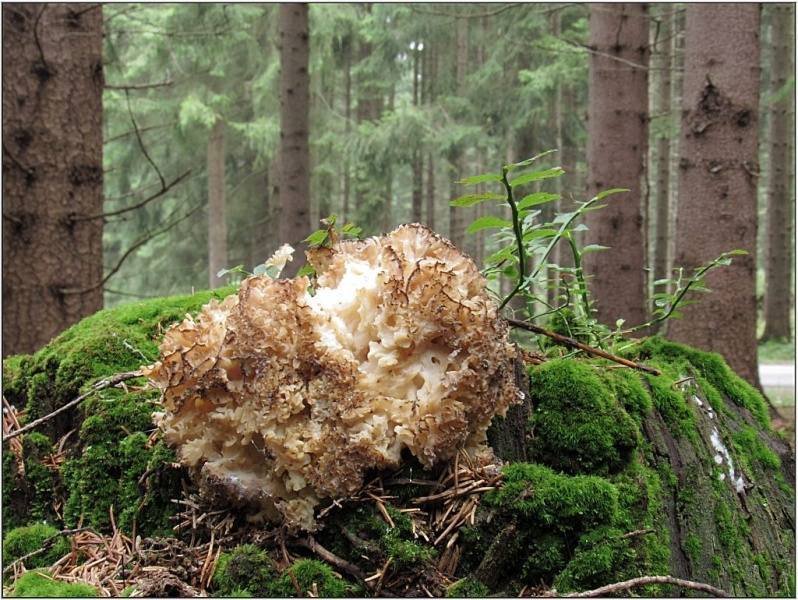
(209, 134)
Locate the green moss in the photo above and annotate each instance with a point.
(246, 568)
(306, 572)
(566, 503)
(38, 584)
(547, 556)
(630, 391)
(749, 445)
(601, 556)
(467, 588)
(714, 369)
(692, 547)
(24, 540)
(671, 403)
(579, 425)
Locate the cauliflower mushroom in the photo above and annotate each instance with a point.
(279, 397)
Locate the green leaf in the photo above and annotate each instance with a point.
(503, 254)
(594, 248)
(536, 199)
(610, 192)
(528, 161)
(537, 176)
(737, 252)
(306, 271)
(539, 233)
(662, 281)
(472, 199)
(488, 223)
(317, 238)
(481, 179)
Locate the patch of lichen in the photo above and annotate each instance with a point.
(579, 425)
(39, 584)
(22, 541)
(713, 369)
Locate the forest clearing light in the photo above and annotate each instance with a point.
(278, 397)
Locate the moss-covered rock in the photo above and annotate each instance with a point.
(39, 584)
(22, 541)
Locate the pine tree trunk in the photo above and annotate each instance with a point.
(433, 73)
(418, 169)
(294, 152)
(717, 178)
(217, 226)
(456, 216)
(617, 148)
(662, 108)
(779, 238)
(52, 170)
(347, 127)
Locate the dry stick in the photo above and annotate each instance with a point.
(572, 343)
(638, 581)
(312, 545)
(44, 547)
(100, 385)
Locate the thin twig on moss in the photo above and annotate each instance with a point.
(311, 544)
(572, 343)
(100, 385)
(651, 579)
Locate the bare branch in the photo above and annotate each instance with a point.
(138, 205)
(590, 50)
(139, 86)
(100, 385)
(141, 142)
(133, 132)
(572, 343)
(130, 251)
(639, 581)
(312, 545)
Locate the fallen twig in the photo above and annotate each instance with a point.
(638, 581)
(312, 545)
(572, 343)
(99, 385)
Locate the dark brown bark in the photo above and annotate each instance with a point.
(52, 170)
(617, 148)
(779, 236)
(418, 166)
(294, 152)
(217, 226)
(662, 108)
(456, 215)
(717, 178)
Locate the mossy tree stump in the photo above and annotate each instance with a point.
(610, 474)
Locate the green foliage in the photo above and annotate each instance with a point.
(579, 425)
(306, 572)
(24, 540)
(39, 584)
(600, 557)
(749, 444)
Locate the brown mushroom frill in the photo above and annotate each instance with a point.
(280, 396)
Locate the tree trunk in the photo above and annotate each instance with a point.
(662, 108)
(347, 126)
(433, 73)
(717, 178)
(294, 153)
(52, 170)
(217, 226)
(456, 216)
(779, 238)
(418, 169)
(617, 148)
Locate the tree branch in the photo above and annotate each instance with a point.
(572, 343)
(638, 581)
(139, 86)
(96, 387)
(144, 202)
(130, 251)
(141, 142)
(133, 131)
(312, 545)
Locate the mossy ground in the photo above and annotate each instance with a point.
(38, 584)
(622, 479)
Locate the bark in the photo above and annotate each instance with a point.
(294, 152)
(418, 168)
(456, 215)
(217, 226)
(52, 170)
(662, 108)
(617, 149)
(779, 237)
(717, 178)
